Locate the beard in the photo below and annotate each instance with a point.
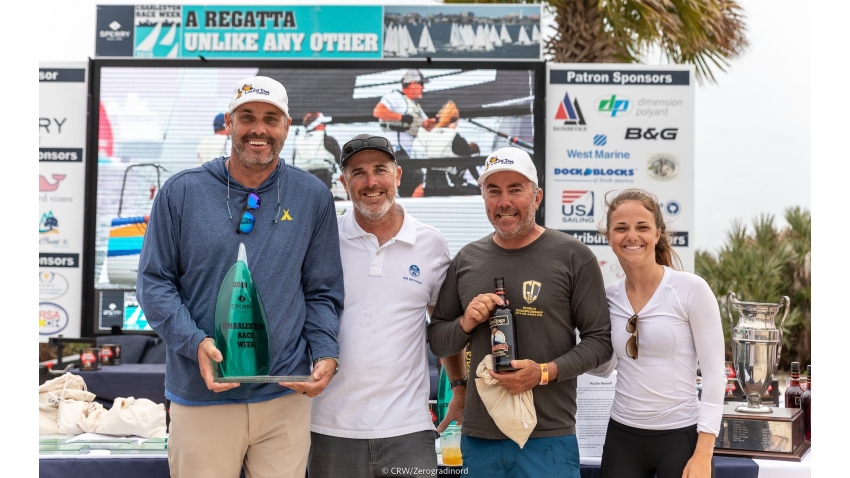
(255, 161)
(374, 212)
(524, 227)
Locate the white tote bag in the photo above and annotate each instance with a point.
(51, 393)
(133, 417)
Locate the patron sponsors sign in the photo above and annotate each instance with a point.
(61, 190)
(613, 127)
(287, 31)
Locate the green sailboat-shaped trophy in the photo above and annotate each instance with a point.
(242, 330)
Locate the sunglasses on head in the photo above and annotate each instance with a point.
(632, 343)
(355, 145)
(246, 222)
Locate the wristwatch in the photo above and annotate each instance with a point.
(455, 383)
(336, 360)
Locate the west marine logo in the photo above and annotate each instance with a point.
(569, 112)
(286, 216)
(248, 89)
(414, 270)
(530, 290)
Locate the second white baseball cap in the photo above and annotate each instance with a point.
(509, 159)
(260, 88)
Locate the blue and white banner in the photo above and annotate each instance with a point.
(328, 32)
(611, 127)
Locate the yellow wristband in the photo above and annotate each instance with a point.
(544, 374)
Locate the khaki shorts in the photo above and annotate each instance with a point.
(270, 438)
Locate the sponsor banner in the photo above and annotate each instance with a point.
(65, 155)
(63, 97)
(591, 237)
(64, 75)
(613, 127)
(503, 32)
(625, 76)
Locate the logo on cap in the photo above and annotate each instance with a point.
(495, 160)
(247, 89)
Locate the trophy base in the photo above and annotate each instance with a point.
(774, 436)
(745, 408)
(797, 455)
(266, 379)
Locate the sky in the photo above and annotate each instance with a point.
(758, 130)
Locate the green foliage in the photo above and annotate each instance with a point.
(762, 265)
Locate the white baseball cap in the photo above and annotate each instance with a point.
(259, 88)
(509, 159)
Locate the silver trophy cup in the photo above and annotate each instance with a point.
(756, 345)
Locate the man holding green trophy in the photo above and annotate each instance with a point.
(240, 274)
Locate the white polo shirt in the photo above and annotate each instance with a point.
(382, 387)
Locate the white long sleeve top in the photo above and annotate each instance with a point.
(679, 329)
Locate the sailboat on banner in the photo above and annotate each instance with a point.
(411, 47)
(523, 37)
(455, 41)
(504, 35)
(391, 43)
(425, 42)
(481, 43)
(150, 41)
(493, 37)
(535, 35)
(168, 39)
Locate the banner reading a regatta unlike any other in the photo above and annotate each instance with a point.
(301, 32)
(611, 127)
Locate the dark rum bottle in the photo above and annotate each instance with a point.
(806, 404)
(502, 332)
(794, 391)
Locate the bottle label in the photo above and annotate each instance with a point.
(498, 341)
(500, 320)
(797, 401)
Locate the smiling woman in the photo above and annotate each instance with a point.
(664, 323)
(635, 224)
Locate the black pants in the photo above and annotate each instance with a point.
(637, 453)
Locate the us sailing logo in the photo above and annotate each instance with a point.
(577, 206)
(569, 112)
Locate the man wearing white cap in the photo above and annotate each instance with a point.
(286, 219)
(554, 286)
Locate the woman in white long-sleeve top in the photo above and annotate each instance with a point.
(665, 323)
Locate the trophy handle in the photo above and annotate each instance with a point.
(787, 301)
(729, 298)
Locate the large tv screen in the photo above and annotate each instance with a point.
(152, 119)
